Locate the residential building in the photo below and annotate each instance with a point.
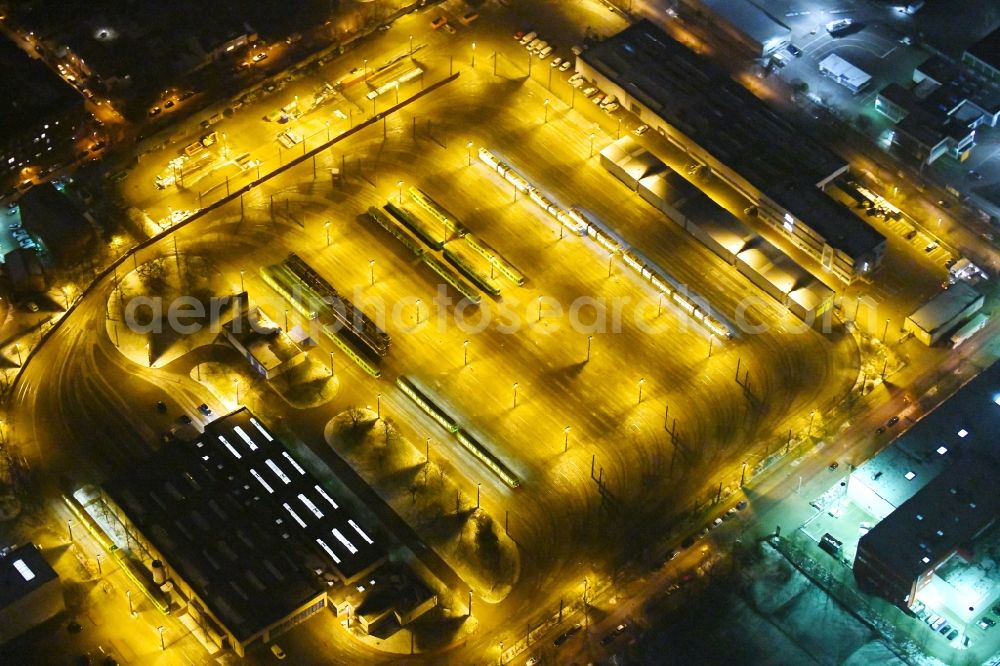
(39, 118)
(984, 56)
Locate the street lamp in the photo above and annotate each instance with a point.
(473, 55)
(479, 490)
(641, 382)
(411, 44)
(131, 609)
(566, 439)
(811, 415)
(418, 310)
(515, 394)
(399, 185)
(366, 70)
(378, 405)
(468, 146)
(236, 383)
(371, 268)
(327, 227)
(546, 109)
(69, 526)
(242, 288)
(590, 340)
(465, 349)
(163, 646)
(592, 135)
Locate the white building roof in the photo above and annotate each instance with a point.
(844, 72)
(943, 308)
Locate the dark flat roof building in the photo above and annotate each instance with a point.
(942, 473)
(30, 592)
(251, 539)
(721, 124)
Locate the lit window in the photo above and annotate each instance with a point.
(910, 476)
(996, 399)
(942, 450)
(940, 533)
(919, 517)
(926, 560)
(963, 432)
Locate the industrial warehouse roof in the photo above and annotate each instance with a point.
(718, 223)
(944, 307)
(22, 571)
(944, 470)
(735, 127)
(632, 158)
(841, 228)
(751, 20)
(946, 514)
(669, 188)
(244, 524)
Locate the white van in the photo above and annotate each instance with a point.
(527, 38)
(544, 53)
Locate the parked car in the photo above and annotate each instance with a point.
(615, 633)
(892, 421)
(469, 18)
(640, 130)
(439, 21)
(794, 50)
(205, 409)
(277, 651)
(555, 62)
(568, 634)
(611, 108)
(565, 65)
